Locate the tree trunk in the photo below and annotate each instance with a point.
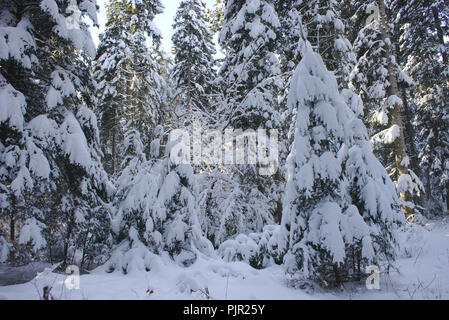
(12, 229)
(447, 197)
(12, 222)
(428, 184)
(67, 242)
(410, 134)
(113, 155)
(396, 113)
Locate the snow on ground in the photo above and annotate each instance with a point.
(423, 273)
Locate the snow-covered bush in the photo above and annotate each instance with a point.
(256, 249)
(157, 207)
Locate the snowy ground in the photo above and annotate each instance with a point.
(423, 265)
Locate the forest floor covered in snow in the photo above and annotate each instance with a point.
(422, 273)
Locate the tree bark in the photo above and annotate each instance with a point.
(12, 221)
(12, 229)
(67, 241)
(113, 155)
(447, 197)
(396, 112)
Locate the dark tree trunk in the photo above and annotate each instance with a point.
(410, 133)
(428, 184)
(113, 152)
(12, 229)
(447, 197)
(66, 242)
(12, 222)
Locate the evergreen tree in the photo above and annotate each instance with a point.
(250, 70)
(193, 71)
(376, 78)
(428, 65)
(338, 215)
(157, 212)
(130, 88)
(216, 16)
(250, 84)
(289, 35)
(53, 183)
(326, 33)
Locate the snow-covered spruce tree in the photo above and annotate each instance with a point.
(339, 212)
(428, 65)
(129, 86)
(229, 207)
(375, 78)
(289, 51)
(193, 72)
(250, 69)
(52, 177)
(289, 35)
(326, 33)
(250, 83)
(157, 213)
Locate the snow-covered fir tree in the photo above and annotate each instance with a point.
(339, 212)
(250, 69)
(376, 78)
(289, 34)
(326, 33)
(157, 213)
(250, 84)
(53, 183)
(193, 72)
(215, 16)
(130, 89)
(428, 65)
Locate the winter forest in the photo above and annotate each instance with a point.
(281, 149)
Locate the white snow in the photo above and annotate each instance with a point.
(422, 265)
(12, 106)
(32, 232)
(74, 142)
(14, 42)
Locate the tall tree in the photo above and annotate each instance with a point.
(130, 88)
(428, 65)
(339, 212)
(193, 72)
(250, 70)
(250, 80)
(326, 33)
(52, 177)
(375, 78)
